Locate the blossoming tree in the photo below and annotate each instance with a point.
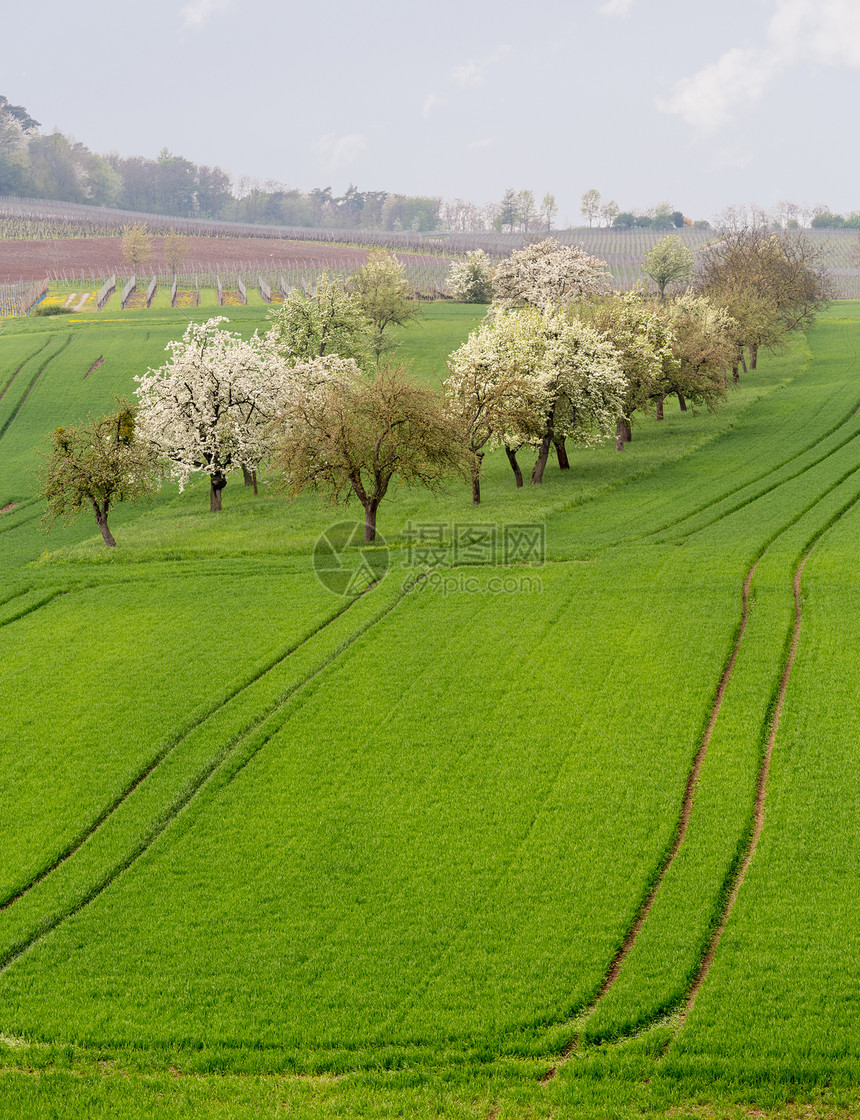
(548, 274)
(208, 409)
(527, 377)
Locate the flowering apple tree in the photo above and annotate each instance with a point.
(527, 377)
(548, 274)
(208, 409)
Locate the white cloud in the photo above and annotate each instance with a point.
(710, 98)
(484, 142)
(615, 7)
(338, 152)
(824, 32)
(474, 72)
(197, 12)
(432, 101)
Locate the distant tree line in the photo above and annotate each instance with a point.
(34, 164)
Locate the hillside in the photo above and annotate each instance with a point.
(556, 818)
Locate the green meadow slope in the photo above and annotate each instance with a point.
(509, 835)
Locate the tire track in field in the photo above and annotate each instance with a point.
(22, 521)
(758, 815)
(769, 489)
(615, 965)
(52, 921)
(24, 611)
(765, 474)
(82, 837)
(758, 812)
(35, 354)
(32, 385)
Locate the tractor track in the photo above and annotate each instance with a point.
(32, 385)
(82, 837)
(190, 791)
(738, 869)
(35, 354)
(758, 815)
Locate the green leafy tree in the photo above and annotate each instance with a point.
(548, 211)
(508, 214)
(136, 245)
(97, 465)
(590, 205)
(644, 344)
(704, 343)
(382, 292)
(670, 261)
(328, 321)
(351, 435)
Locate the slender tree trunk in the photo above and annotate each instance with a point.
(217, 484)
(515, 467)
(753, 357)
(623, 433)
(250, 477)
(477, 461)
(101, 520)
(681, 401)
(735, 374)
(543, 456)
(561, 453)
(370, 508)
(744, 362)
(660, 400)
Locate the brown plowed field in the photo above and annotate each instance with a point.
(33, 260)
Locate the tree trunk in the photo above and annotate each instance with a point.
(476, 477)
(735, 374)
(561, 453)
(250, 478)
(370, 520)
(515, 467)
(623, 434)
(101, 521)
(753, 357)
(660, 400)
(681, 401)
(543, 455)
(217, 484)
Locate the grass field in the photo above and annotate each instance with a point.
(569, 835)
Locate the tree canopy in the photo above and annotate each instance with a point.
(96, 465)
(547, 274)
(352, 435)
(208, 409)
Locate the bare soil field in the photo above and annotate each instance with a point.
(33, 260)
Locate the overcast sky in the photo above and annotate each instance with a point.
(702, 103)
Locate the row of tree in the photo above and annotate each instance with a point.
(558, 359)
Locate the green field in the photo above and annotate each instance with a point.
(568, 835)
